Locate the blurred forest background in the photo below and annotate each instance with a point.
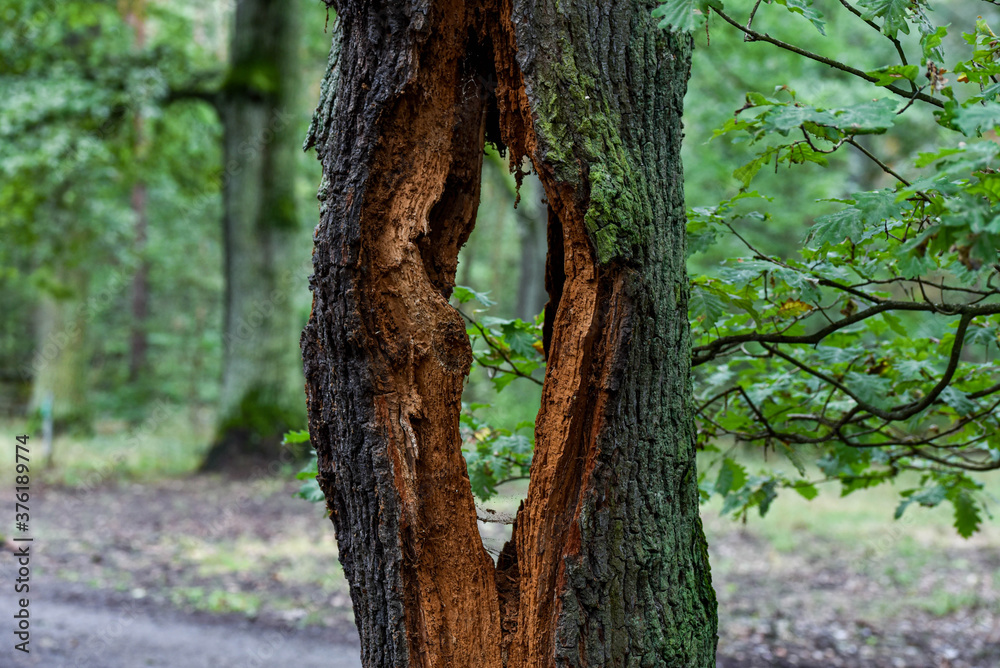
(142, 203)
(156, 217)
(152, 184)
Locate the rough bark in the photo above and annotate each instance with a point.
(260, 387)
(608, 564)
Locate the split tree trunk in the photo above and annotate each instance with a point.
(261, 390)
(608, 563)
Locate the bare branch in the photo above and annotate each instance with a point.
(709, 351)
(489, 341)
(884, 167)
(764, 37)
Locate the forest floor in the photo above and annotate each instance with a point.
(205, 571)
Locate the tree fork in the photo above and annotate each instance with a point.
(608, 564)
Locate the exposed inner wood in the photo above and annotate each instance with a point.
(401, 370)
(418, 211)
(571, 409)
(425, 186)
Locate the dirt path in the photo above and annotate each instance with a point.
(219, 573)
(76, 629)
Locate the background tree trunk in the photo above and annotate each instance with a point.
(529, 214)
(135, 16)
(59, 365)
(261, 388)
(608, 564)
(138, 341)
(531, 229)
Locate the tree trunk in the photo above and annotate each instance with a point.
(135, 16)
(138, 344)
(608, 563)
(59, 365)
(530, 216)
(261, 387)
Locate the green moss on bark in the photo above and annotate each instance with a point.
(606, 104)
(579, 121)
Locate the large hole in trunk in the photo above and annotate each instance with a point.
(504, 263)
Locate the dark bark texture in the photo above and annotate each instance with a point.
(608, 564)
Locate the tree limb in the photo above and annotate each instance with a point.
(764, 37)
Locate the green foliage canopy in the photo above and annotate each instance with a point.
(872, 350)
(867, 351)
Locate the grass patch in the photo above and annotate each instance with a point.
(863, 518)
(943, 603)
(169, 442)
(215, 600)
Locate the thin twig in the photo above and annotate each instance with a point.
(764, 37)
(885, 168)
(895, 42)
(753, 13)
(486, 337)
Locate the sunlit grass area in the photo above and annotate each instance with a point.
(865, 516)
(170, 441)
(851, 557)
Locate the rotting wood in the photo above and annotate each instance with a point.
(607, 565)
